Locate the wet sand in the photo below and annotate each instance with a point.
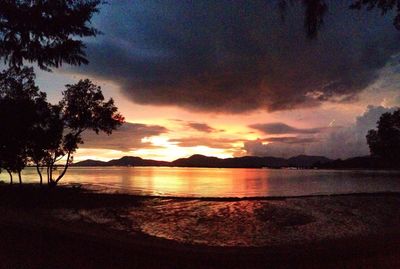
(66, 228)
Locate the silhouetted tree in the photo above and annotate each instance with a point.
(43, 31)
(46, 136)
(82, 108)
(384, 5)
(32, 130)
(19, 98)
(314, 16)
(385, 141)
(315, 10)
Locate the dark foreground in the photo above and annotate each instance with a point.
(31, 237)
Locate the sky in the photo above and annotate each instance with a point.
(236, 78)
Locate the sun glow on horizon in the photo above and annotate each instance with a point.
(163, 154)
(158, 148)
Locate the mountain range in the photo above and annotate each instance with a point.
(197, 160)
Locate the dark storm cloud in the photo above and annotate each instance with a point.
(127, 137)
(201, 127)
(238, 56)
(282, 128)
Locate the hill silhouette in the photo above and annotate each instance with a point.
(197, 160)
(362, 162)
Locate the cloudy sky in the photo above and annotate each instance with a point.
(234, 78)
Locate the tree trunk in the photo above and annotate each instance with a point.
(19, 177)
(48, 174)
(65, 169)
(11, 177)
(52, 184)
(40, 174)
(66, 163)
(51, 172)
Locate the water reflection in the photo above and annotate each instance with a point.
(211, 182)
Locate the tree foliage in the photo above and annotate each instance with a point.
(315, 10)
(47, 135)
(45, 31)
(35, 132)
(83, 108)
(385, 141)
(383, 5)
(19, 100)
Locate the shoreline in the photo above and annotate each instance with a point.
(72, 187)
(28, 227)
(256, 198)
(372, 169)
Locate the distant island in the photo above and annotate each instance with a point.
(197, 160)
(300, 161)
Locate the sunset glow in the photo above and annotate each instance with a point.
(178, 122)
(230, 131)
(199, 134)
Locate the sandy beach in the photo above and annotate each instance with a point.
(70, 228)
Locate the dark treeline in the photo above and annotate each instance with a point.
(315, 11)
(384, 145)
(33, 131)
(384, 142)
(45, 32)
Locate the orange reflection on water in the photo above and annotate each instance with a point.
(226, 182)
(204, 182)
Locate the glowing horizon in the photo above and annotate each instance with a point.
(222, 96)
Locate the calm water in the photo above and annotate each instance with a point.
(211, 182)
